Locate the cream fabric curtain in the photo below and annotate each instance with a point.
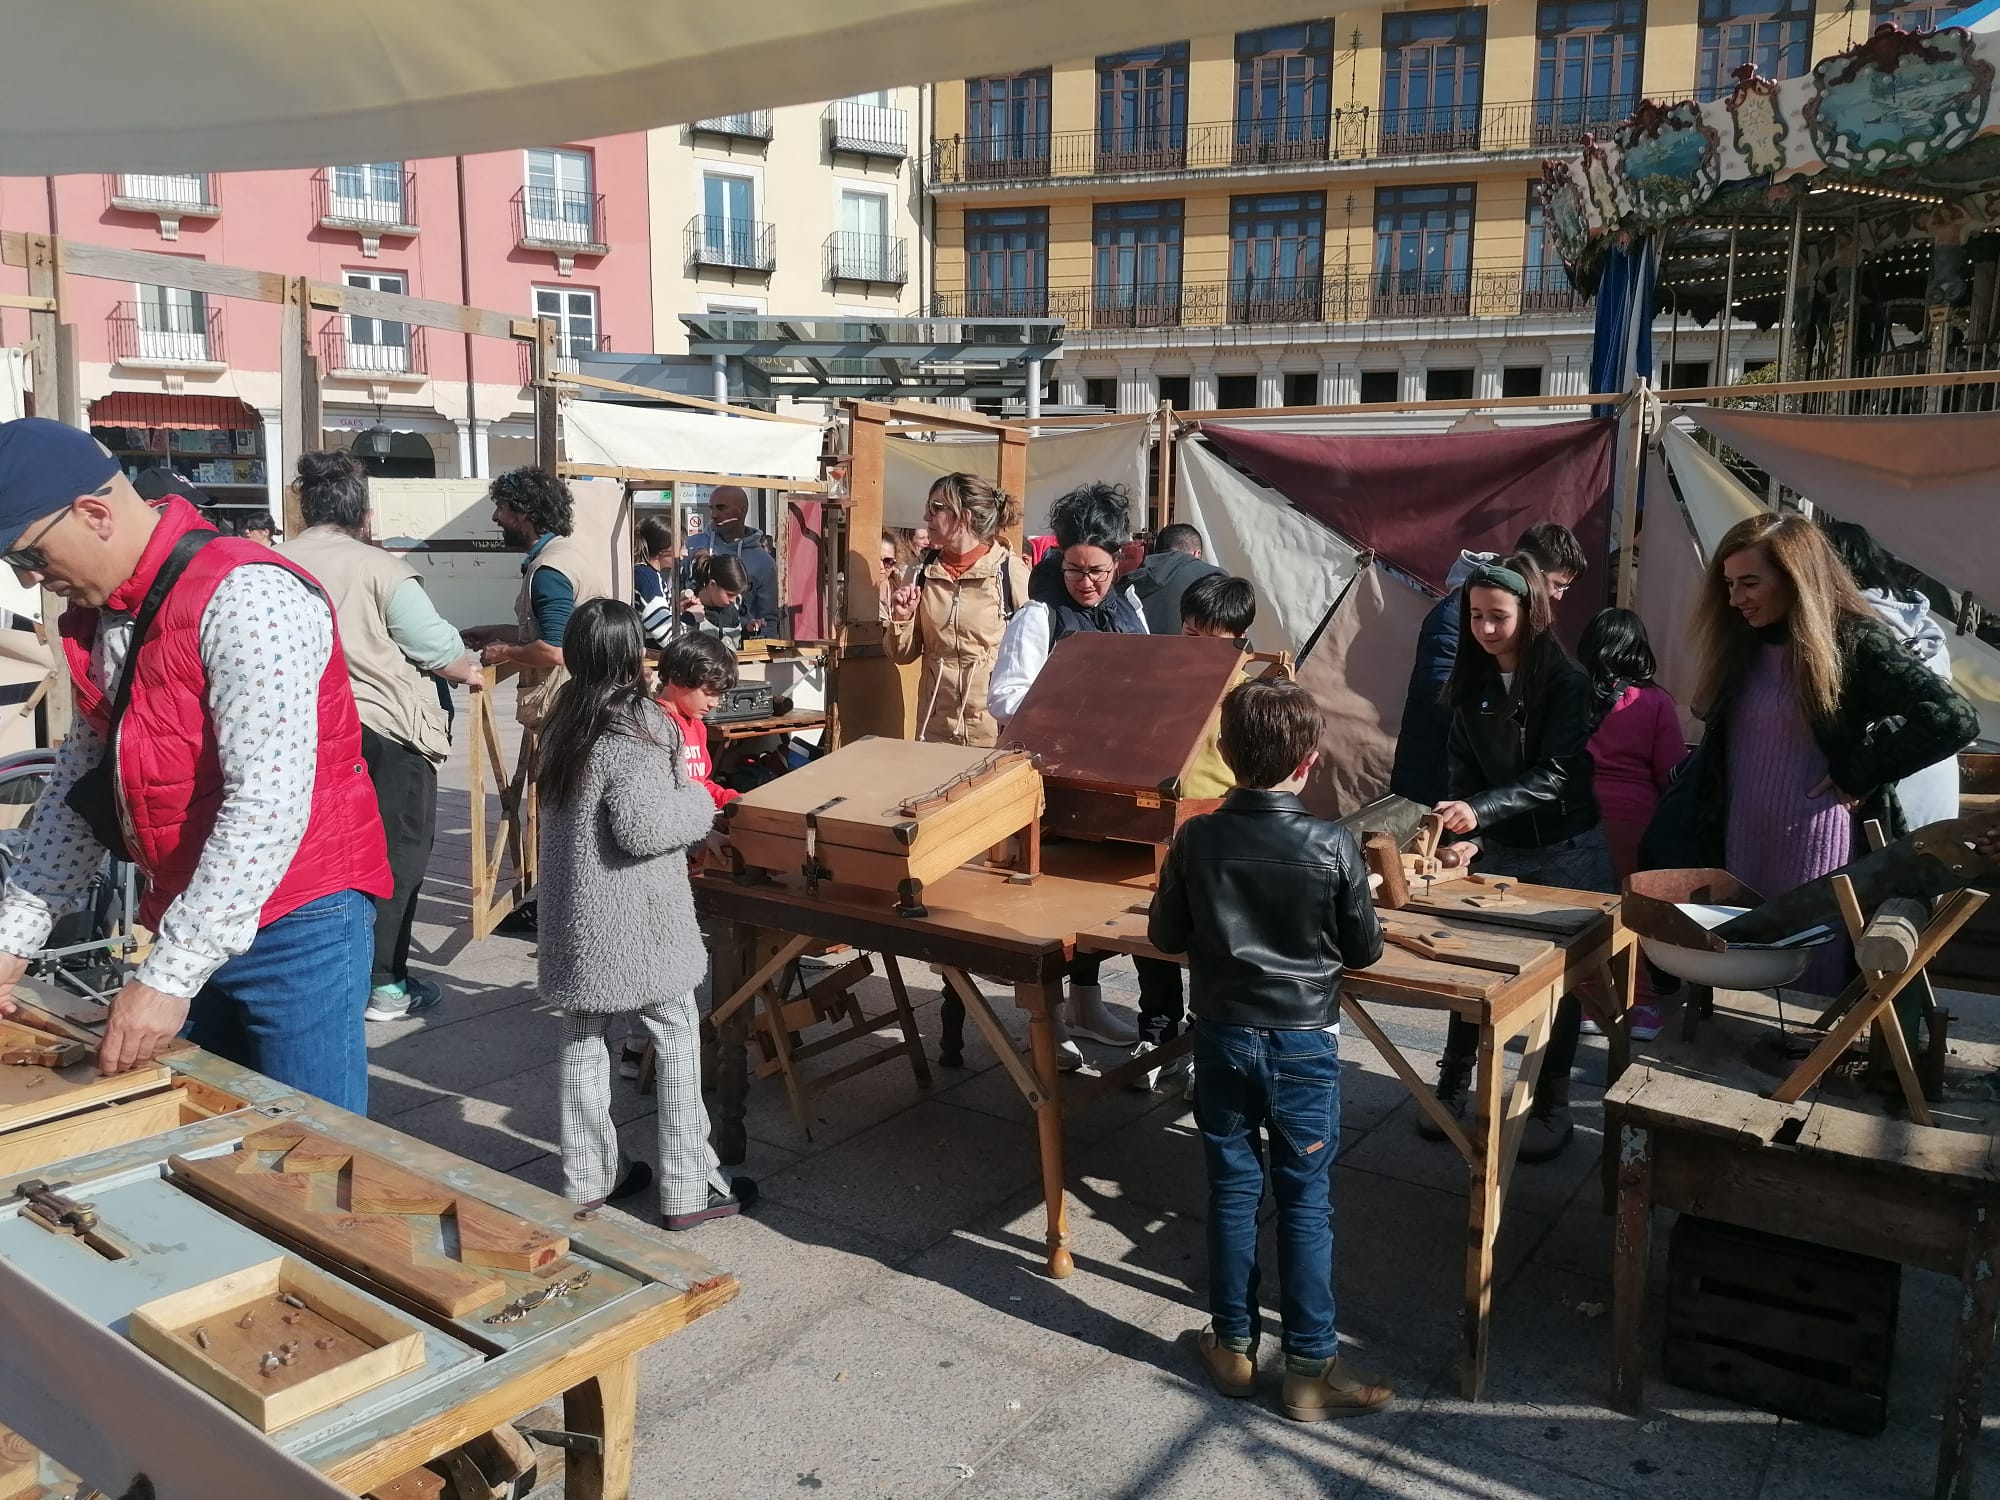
(662, 437)
(1058, 461)
(284, 83)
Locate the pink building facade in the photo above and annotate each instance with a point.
(172, 375)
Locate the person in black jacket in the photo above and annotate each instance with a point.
(1523, 800)
(1174, 561)
(1270, 904)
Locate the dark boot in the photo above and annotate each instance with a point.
(1454, 1080)
(1549, 1126)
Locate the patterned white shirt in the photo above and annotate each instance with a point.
(265, 641)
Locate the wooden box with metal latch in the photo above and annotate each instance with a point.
(1118, 723)
(890, 815)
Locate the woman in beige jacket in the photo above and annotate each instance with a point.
(954, 616)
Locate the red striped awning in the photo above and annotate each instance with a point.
(153, 409)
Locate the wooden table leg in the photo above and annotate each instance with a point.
(1040, 1000)
(1483, 1229)
(1977, 1313)
(1631, 1253)
(1624, 996)
(602, 1407)
(727, 944)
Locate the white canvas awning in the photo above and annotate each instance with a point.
(1058, 461)
(282, 83)
(694, 442)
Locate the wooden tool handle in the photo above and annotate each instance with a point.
(1429, 833)
(1385, 860)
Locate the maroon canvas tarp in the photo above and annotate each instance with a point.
(1417, 500)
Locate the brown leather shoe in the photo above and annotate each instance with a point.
(1230, 1372)
(1338, 1391)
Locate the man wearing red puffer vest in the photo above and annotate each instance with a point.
(234, 779)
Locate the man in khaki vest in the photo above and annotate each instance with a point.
(534, 511)
(392, 636)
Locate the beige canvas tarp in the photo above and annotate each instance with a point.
(1924, 485)
(281, 83)
(1058, 461)
(1358, 672)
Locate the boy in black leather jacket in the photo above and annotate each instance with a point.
(1269, 903)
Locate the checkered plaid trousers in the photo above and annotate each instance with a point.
(688, 1164)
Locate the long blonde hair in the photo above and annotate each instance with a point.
(1823, 596)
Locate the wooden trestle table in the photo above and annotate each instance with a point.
(1519, 959)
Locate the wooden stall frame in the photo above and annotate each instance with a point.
(518, 834)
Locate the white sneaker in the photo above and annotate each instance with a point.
(1090, 1017)
(1069, 1056)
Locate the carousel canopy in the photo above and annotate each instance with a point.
(1894, 141)
(282, 83)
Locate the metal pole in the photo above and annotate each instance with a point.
(718, 368)
(1786, 337)
(1673, 348)
(1034, 389)
(1728, 314)
(1851, 354)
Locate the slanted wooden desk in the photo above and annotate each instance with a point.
(1518, 961)
(1694, 1133)
(65, 1373)
(977, 923)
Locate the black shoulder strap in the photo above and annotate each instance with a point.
(1007, 604)
(170, 572)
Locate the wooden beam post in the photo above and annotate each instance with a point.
(44, 358)
(292, 384)
(868, 457)
(1011, 474)
(871, 694)
(1631, 460)
(548, 441)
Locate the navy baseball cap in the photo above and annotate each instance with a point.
(45, 465)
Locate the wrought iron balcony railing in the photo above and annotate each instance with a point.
(370, 209)
(732, 244)
(868, 129)
(188, 193)
(876, 258)
(372, 347)
(1359, 134)
(746, 125)
(561, 220)
(166, 333)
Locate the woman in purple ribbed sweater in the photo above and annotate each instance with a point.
(1814, 712)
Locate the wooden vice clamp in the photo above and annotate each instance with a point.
(1395, 867)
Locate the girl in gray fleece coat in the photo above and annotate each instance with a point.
(618, 935)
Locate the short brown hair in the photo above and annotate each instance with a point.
(1554, 548)
(1268, 727)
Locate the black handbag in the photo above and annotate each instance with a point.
(1671, 841)
(93, 796)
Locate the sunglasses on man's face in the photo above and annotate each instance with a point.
(31, 558)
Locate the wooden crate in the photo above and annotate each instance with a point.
(1784, 1325)
(201, 1334)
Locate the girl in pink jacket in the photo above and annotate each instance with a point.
(1635, 750)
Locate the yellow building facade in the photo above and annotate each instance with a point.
(1333, 211)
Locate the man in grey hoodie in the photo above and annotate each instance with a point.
(1421, 770)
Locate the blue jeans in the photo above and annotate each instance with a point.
(1287, 1085)
(290, 1006)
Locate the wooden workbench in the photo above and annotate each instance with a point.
(585, 1349)
(1694, 1133)
(1025, 935)
(1576, 937)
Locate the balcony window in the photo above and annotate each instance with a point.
(1007, 263)
(1275, 246)
(370, 193)
(1448, 385)
(1587, 76)
(1007, 126)
(172, 326)
(559, 207)
(1142, 100)
(1521, 380)
(1283, 77)
(1177, 390)
(377, 345)
(730, 232)
(1916, 17)
(1378, 386)
(1423, 250)
(746, 125)
(1301, 388)
(1433, 66)
(1544, 282)
(188, 190)
(1773, 36)
(869, 125)
(1138, 264)
(575, 312)
(863, 249)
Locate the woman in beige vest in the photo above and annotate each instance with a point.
(392, 637)
(969, 585)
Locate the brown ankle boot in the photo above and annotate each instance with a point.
(1231, 1371)
(1336, 1391)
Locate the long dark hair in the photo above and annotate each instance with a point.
(1617, 654)
(724, 572)
(1866, 562)
(604, 648)
(1475, 673)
